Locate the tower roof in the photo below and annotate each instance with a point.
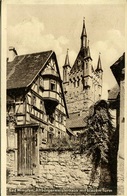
(99, 66)
(67, 63)
(83, 29)
(83, 36)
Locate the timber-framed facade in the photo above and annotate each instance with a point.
(36, 109)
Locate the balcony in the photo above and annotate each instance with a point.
(51, 100)
(50, 73)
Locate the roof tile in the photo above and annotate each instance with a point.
(23, 69)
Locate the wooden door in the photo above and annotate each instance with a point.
(27, 151)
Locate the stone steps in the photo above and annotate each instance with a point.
(20, 181)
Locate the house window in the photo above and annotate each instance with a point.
(41, 82)
(43, 136)
(51, 118)
(52, 85)
(50, 135)
(33, 100)
(41, 105)
(59, 117)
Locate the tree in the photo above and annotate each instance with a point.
(97, 142)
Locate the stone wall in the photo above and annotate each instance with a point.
(65, 170)
(120, 177)
(10, 155)
(58, 169)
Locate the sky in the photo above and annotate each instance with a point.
(40, 27)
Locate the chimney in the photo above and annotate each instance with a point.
(12, 53)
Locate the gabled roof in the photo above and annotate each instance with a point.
(24, 68)
(117, 68)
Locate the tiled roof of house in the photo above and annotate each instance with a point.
(113, 93)
(77, 122)
(23, 69)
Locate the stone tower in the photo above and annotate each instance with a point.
(82, 84)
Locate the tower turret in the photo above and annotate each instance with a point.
(66, 68)
(99, 75)
(99, 66)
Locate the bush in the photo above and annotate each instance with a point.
(64, 143)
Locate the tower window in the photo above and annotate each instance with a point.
(65, 74)
(74, 83)
(78, 83)
(86, 65)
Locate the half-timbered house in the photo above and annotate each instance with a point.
(36, 108)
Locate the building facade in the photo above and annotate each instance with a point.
(82, 83)
(36, 109)
(116, 100)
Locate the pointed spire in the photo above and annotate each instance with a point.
(66, 68)
(67, 63)
(99, 66)
(84, 29)
(84, 35)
